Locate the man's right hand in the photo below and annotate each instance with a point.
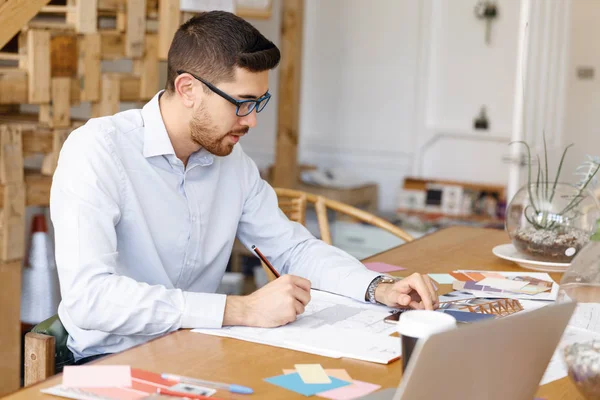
(275, 304)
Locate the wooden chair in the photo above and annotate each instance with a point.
(293, 203)
(46, 351)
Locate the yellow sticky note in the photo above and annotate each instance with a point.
(339, 373)
(312, 373)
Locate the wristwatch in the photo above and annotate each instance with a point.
(376, 282)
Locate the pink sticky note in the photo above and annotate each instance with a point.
(91, 376)
(383, 267)
(354, 391)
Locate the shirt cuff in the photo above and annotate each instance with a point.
(203, 310)
(355, 286)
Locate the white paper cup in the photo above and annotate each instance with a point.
(420, 324)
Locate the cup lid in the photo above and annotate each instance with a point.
(423, 323)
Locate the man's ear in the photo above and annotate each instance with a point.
(184, 87)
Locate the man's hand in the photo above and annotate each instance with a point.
(275, 304)
(416, 291)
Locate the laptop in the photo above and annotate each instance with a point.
(493, 360)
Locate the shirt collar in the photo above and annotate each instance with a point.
(156, 138)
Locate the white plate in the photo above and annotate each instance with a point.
(510, 253)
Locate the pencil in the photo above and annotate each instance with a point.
(264, 259)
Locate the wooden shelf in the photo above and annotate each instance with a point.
(433, 216)
(37, 190)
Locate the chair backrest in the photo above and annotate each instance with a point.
(46, 351)
(293, 203)
(322, 204)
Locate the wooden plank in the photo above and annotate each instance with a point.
(13, 87)
(12, 220)
(89, 67)
(61, 102)
(38, 53)
(63, 55)
(51, 160)
(169, 21)
(129, 88)
(86, 16)
(16, 13)
(10, 334)
(39, 357)
(11, 154)
(37, 141)
(45, 115)
(148, 68)
(112, 45)
(37, 190)
(286, 162)
(111, 5)
(136, 28)
(109, 96)
(76, 92)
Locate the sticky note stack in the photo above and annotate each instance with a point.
(312, 379)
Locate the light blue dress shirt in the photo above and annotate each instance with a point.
(142, 242)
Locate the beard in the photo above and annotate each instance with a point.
(207, 135)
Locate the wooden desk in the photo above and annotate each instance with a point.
(235, 361)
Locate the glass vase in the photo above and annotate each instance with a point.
(551, 222)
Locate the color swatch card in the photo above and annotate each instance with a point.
(295, 383)
(442, 279)
(383, 267)
(341, 374)
(519, 285)
(97, 376)
(354, 391)
(312, 373)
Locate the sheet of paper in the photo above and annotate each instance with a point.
(206, 5)
(331, 326)
(336, 373)
(312, 373)
(90, 376)
(442, 279)
(383, 267)
(557, 368)
(504, 284)
(294, 383)
(354, 391)
(545, 296)
(586, 316)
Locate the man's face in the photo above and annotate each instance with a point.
(215, 125)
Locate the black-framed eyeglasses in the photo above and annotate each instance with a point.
(243, 107)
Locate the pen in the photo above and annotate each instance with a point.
(183, 395)
(217, 385)
(264, 259)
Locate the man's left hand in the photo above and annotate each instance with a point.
(416, 291)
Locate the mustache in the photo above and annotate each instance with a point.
(242, 131)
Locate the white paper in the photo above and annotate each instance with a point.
(206, 5)
(586, 316)
(331, 326)
(504, 284)
(557, 367)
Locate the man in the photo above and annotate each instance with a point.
(147, 203)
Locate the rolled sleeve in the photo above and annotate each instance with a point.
(203, 310)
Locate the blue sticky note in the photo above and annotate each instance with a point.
(294, 383)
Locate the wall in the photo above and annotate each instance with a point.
(582, 119)
(385, 92)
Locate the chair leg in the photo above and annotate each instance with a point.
(39, 357)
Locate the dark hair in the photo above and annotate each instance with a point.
(212, 43)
